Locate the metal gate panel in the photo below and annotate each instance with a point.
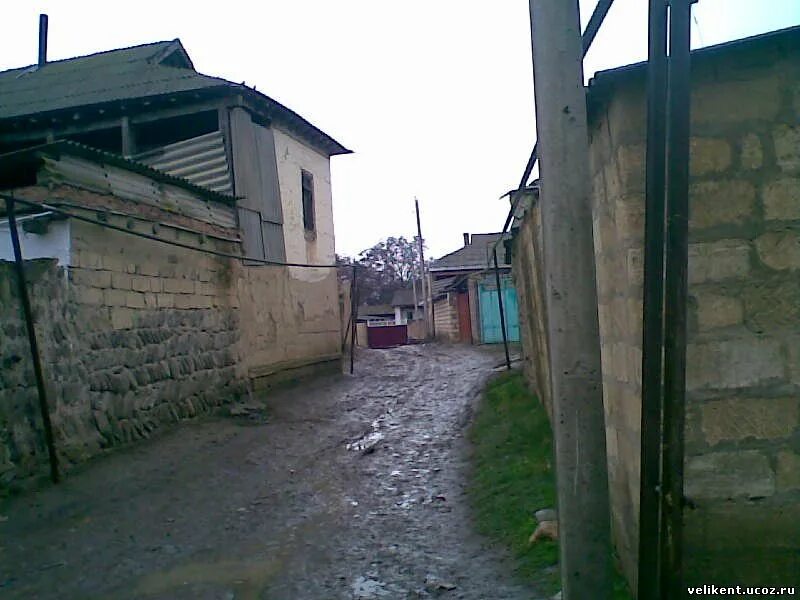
(491, 332)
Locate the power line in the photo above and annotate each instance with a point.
(261, 261)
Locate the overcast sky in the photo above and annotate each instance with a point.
(434, 96)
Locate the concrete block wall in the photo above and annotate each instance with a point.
(445, 318)
(743, 431)
(528, 278)
(136, 335)
(743, 380)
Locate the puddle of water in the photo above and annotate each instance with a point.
(368, 589)
(365, 442)
(247, 578)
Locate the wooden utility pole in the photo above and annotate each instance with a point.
(571, 296)
(422, 271)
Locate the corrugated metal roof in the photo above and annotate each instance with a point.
(201, 160)
(13, 160)
(149, 70)
(475, 255)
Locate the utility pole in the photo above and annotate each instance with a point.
(27, 312)
(571, 296)
(422, 271)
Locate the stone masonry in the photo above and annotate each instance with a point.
(743, 382)
(136, 334)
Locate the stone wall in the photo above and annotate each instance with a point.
(743, 381)
(445, 318)
(529, 282)
(136, 334)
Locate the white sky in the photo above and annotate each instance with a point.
(434, 96)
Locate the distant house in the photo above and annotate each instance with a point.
(407, 305)
(378, 313)
(464, 292)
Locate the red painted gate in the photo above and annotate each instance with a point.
(464, 320)
(387, 336)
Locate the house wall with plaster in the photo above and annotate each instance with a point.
(305, 246)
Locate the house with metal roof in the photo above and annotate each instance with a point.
(464, 292)
(150, 104)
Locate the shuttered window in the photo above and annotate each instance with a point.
(307, 183)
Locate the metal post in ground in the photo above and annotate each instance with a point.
(29, 324)
(500, 304)
(648, 576)
(571, 295)
(425, 282)
(353, 317)
(675, 297)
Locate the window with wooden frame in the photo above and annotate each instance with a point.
(307, 185)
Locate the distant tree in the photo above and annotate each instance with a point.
(386, 267)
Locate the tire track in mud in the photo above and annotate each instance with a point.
(289, 509)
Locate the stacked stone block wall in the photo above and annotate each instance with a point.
(529, 282)
(742, 430)
(136, 334)
(445, 318)
(742, 469)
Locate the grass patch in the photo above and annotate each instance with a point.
(513, 476)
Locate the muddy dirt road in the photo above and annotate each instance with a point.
(351, 488)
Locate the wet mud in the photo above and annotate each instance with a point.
(351, 488)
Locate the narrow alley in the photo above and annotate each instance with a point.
(344, 487)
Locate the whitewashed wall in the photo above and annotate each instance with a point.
(293, 157)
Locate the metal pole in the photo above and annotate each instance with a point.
(648, 576)
(422, 270)
(37, 365)
(675, 296)
(42, 40)
(500, 304)
(573, 331)
(353, 317)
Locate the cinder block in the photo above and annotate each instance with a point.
(164, 300)
(741, 418)
(718, 261)
(120, 281)
(708, 155)
(115, 297)
(781, 200)
(630, 165)
(779, 250)
(91, 278)
(752, 155)
(724, 102)
(727, 475)
(178, 286)
(726, 202)
(150, 267)
(773, 305)
(732, 364)
(788, 470)
(140, 283)
(715, 311)
(787, 147)
(135, 300)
